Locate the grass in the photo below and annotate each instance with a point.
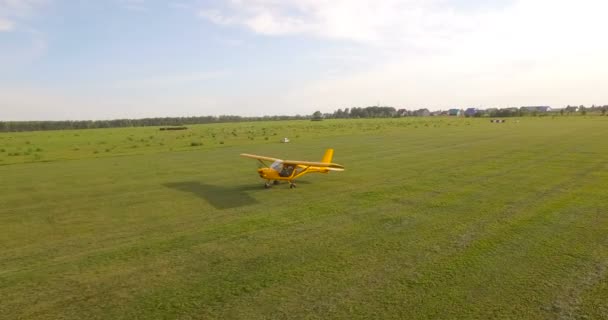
(434, 218)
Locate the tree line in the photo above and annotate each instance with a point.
(18, 126)
(346, 113)
(390, 112)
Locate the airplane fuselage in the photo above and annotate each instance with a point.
(289, 175)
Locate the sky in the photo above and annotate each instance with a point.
(108, 59)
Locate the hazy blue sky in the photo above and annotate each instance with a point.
(81, 59)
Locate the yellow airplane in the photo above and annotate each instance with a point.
(289, 170)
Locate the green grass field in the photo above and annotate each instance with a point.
(435, 218)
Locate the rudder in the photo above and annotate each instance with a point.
(329, 154)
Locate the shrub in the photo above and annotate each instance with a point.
(196, 144)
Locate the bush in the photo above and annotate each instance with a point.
(196, 144)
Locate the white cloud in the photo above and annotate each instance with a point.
(422, 24)
(434, 53)
(379, 22)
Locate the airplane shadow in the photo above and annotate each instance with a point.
(219, 197)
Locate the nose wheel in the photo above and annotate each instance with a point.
(292, 185)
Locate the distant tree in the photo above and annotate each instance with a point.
(338, 114)
(561, 112)
(317, 115)
(583, 110)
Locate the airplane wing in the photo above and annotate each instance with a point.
(253, 156)
(329, 166)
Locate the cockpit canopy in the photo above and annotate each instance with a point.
(277, 165)
(283, 170)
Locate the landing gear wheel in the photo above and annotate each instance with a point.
(292, 185)
(267, 185)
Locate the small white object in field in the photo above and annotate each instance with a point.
(284, 140)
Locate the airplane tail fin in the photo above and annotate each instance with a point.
(329, 154)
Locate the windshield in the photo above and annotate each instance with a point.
(277, 165)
